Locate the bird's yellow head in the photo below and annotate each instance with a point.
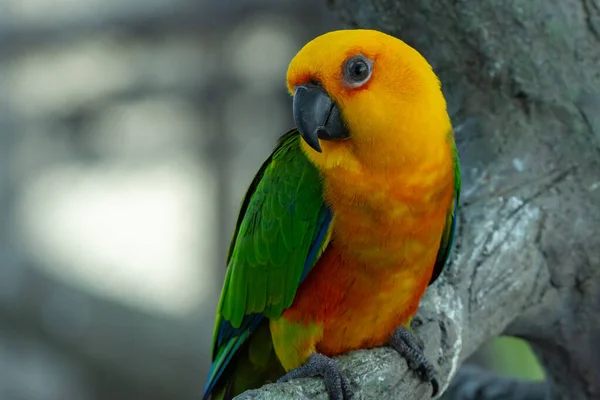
(365, 98)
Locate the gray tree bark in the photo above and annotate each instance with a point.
(522, 79)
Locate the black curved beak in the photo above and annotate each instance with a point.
(317, 116)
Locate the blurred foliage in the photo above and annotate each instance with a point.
(513, 357)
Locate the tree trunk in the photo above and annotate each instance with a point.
(522, 80)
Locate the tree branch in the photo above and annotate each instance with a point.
(522, 84)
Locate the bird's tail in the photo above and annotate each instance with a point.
(254, 364)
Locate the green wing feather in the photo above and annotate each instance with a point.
(273, 236)
(280, 233)
(449, 232)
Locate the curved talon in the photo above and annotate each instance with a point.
(337, 385)
(427, 374)
(435, 385)
(408, 346)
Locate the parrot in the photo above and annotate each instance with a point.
(346, 223)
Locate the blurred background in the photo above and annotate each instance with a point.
(129, 131)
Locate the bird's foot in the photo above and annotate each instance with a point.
(337, 385)
(409, 347)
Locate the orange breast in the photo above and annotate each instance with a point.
(386, 234)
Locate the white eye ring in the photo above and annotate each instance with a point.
(357, 70)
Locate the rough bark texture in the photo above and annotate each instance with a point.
(522, 79)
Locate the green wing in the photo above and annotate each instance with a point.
(450, 228)
(280, 233)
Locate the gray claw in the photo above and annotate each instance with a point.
(411, 348)
(317, 364)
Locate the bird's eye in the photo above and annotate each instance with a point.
(357, 70)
